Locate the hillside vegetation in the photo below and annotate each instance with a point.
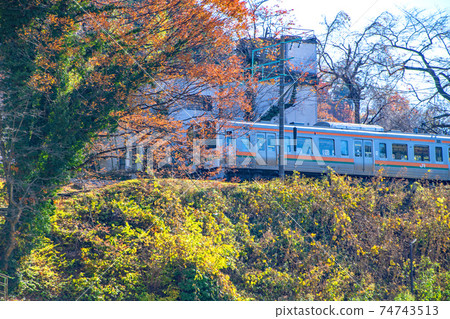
(333, 238)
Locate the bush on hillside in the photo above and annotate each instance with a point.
(335, 238)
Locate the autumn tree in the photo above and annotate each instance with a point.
(345, 61)
(70, 70)
(415, 49)
(394, 112)
(202, 86)
(333, 106)
(266, 20)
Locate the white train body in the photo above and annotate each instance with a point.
(252, 148)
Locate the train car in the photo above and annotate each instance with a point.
(352, 149)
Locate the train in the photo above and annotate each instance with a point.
(252, 149)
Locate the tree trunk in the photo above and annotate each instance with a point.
(355, 97)
(9, 232)
(9, 236)
(357, 104)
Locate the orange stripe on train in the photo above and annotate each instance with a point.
(420, 165)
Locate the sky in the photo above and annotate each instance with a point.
(310, 13)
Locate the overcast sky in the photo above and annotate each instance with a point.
(310, 13)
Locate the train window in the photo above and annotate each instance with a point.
(271, 142)
(400, 151)
(121, 163)
(304, 145)
(243, 143)
(421, 153)
(210, 144)
(358, 149)
(439, 154)
(344, 148)
(368, 149)
(326, 146)
(228, 138)
(383, 150)
(246, 142)
(261, 142)
(287, 141)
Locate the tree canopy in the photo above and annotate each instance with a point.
(69, 68)
(415, 49)
(395, 54)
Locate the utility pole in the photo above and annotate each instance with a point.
(281, 143)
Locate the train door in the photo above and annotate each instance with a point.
(261, 145)
(267, 149)
(364, 162)
(271, 149)
(230, 149)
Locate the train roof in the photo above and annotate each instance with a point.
(341, 128)
(350, 126)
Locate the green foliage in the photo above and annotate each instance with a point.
(427, 283)
(270, 284)
(52, 105)
(39, 273)
(334, 238)
(69, 72)
(405, 296)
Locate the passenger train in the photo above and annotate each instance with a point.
(352, 149)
